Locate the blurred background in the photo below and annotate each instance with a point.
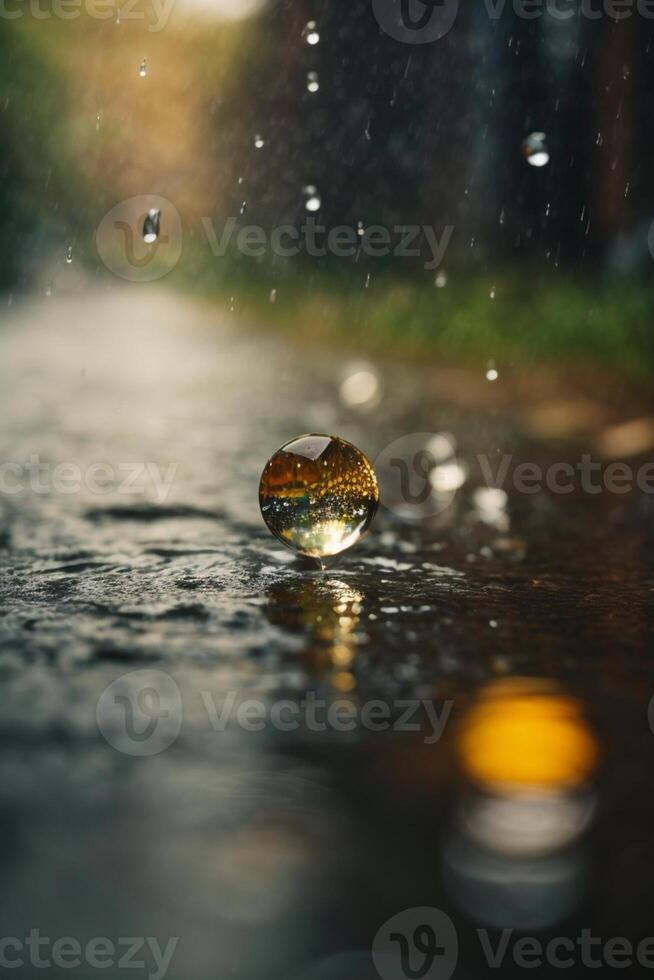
(136, 142)
(231, 110)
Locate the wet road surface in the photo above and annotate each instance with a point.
(279, 848)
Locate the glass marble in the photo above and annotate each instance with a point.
(318, 495)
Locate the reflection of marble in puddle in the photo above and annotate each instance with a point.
(328, 610)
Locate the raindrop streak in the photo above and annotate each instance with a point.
(69, 254)
(259, 141)
(441, 279)
(313, 83)
(244, 207)
(535, 150)
(312, 200)
(151, 226)
(310, 33)
(360, 229)
(492, 374)
(143, 68)
(273, 295)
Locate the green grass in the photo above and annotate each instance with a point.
(532, 318)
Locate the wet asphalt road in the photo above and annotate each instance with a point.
(269, 852)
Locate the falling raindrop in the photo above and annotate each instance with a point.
(143, 69)
(69, 254)
(244, 207)
(441, 279)
(535, 150)
(97, 123)
(492, 292)
(313, 83)
(48, 290)
(492, 374)
(367, 282)
(312, 200)
(360, 229)
(151, 226)
(240, 181)
(273, 295)
(310, 33)
(259, 141)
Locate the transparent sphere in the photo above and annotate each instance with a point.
(318, 494)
